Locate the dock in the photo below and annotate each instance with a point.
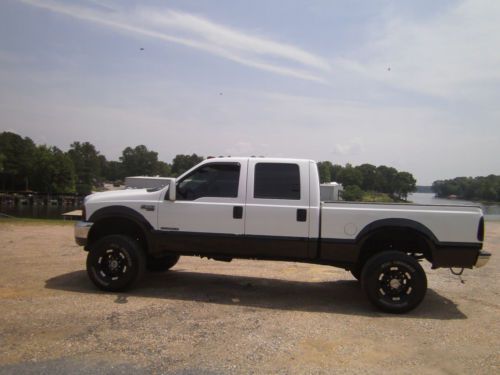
(72, 215)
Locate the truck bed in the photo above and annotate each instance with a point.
(447, 223)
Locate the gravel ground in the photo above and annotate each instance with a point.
(252, 317)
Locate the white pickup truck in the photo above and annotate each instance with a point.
(266, 208)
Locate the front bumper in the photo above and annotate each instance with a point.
(82, 229)
(482, 259)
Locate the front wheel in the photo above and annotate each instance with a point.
(394, 282)
(115, 263)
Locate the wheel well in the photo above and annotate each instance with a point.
(402, 239)
(117, 225)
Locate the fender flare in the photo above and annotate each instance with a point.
(396, 223)
(121, 212)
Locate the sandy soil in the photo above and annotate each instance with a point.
(207, 317)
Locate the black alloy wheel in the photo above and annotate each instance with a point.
(115, 263)
(394, 281)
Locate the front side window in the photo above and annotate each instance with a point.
(277, 181)
(211, 180)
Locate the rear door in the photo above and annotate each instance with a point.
(277, 209)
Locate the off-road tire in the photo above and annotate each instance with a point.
(115, 263)
(394, 282)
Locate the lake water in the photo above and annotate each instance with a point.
(491, 211)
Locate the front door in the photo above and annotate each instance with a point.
(208, 213)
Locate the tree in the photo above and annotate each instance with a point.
(478, 188)
(113, 171)
(163, 169)
(18, 157)
(350, 176)
(2, 160)
(405, 183)
(385, 180)
(139, 161)
(53, 171)
(87, 164)
(369, 174)
(324, 168)
(335, 172)
(352, 193)
(182, 163)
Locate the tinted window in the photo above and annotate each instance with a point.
(211, 180)
(277, 181)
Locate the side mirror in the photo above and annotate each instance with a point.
(171, 190)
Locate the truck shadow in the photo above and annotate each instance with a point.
(337, 297)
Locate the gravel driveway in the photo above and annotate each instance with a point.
(207, 317)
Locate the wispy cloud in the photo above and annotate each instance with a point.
(450, 55)
(200, 33)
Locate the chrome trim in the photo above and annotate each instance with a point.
(482, 259)
(82, 229)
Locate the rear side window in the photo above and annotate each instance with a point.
(277, 181)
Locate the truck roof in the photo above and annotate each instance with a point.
(258, 158)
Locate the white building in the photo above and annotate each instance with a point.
(330, 191)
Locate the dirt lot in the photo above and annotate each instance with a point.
(207, 317)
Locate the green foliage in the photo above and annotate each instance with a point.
(376, 197)
(139, 161)
(368, 176)
(478, 188)
(405, 183)
(324, 168)
(351, 176)
(385, 180)
(53, 171)
(352, 193)
(2, 160)
(389, 182)
(182, 163)
(17, 164)
(163, 169)
(87, 163)
(113, 171)
(46, 169)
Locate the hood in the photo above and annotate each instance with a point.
(124, 195)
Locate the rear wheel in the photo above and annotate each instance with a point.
(161, 264)
(115, 263)
(394, 282)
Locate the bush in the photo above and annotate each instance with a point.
(352, 193)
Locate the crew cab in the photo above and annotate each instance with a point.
(269, 208)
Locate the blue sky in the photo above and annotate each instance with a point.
(414, 85)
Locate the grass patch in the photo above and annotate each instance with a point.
(377, 197)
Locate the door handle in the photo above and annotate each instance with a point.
(301, 214)
(237, 212)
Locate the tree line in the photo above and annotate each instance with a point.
(364, 178)
(25, 166)
(470, 188)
